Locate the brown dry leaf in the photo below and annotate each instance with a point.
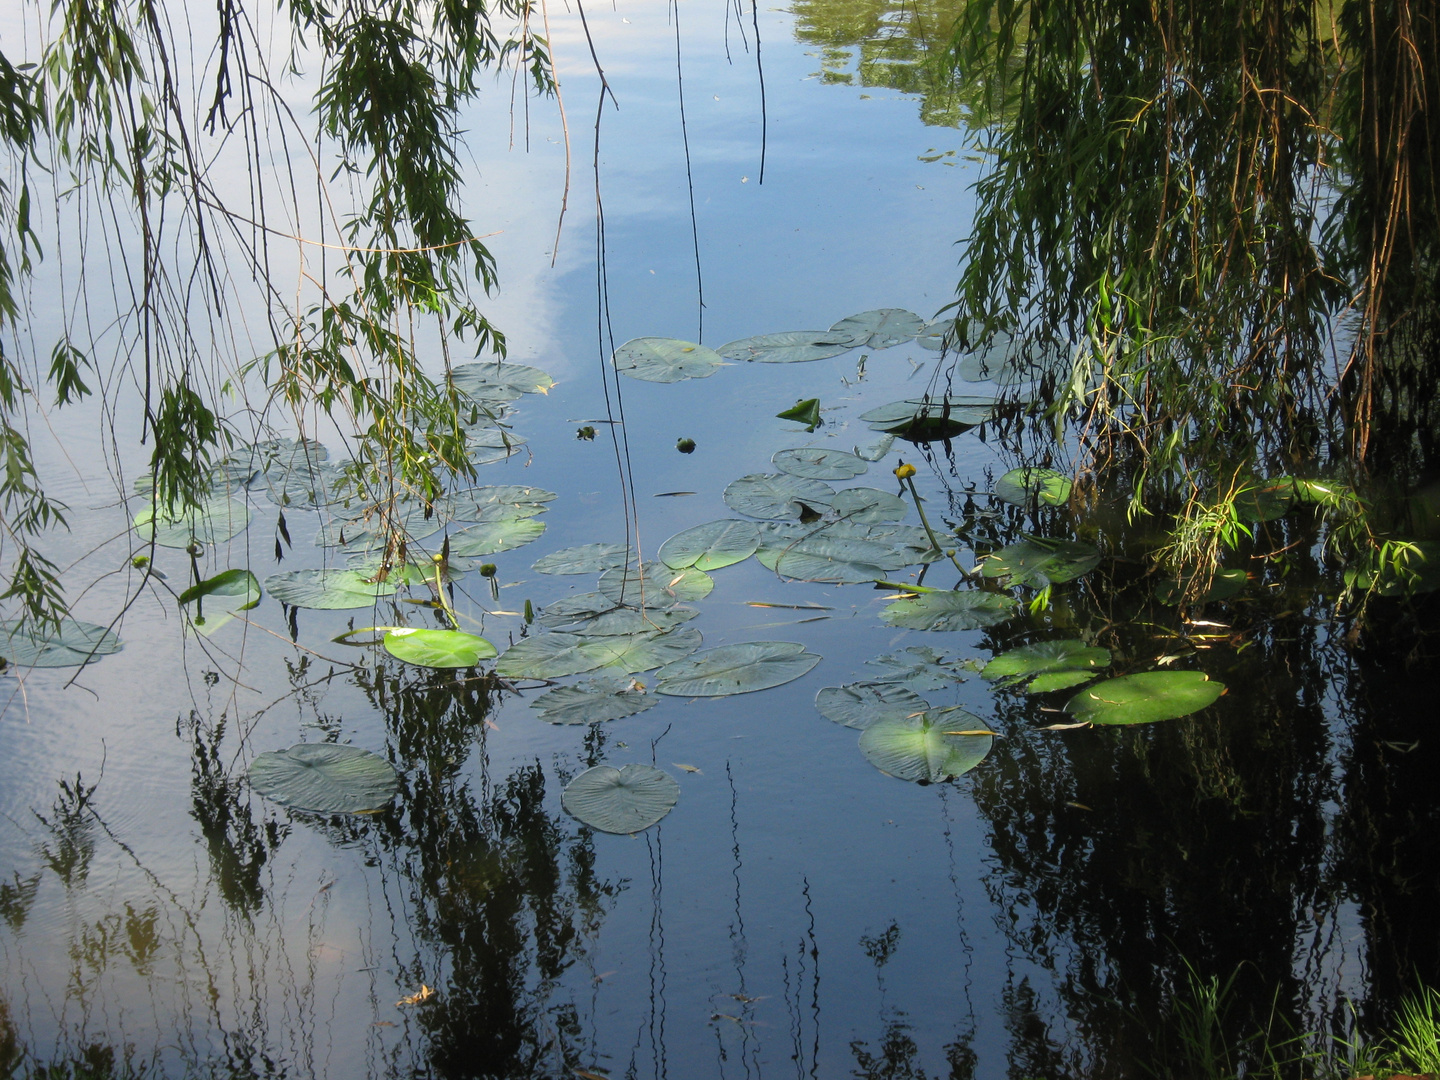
(421, 996)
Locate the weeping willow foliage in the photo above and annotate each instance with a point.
(225, 238)
(1217, 220)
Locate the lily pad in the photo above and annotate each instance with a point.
(836, 559)
(546, 656)
(489, 537)
(1047, 665)
(218, 599)
(328, 589)
(929, 748)
(477, 378)
(859, 705)
(918, 667)
(805, 411)
(1039, 562)
(787, 347)
(711, 546)
(213, 522)
(735, 669)
(1025, 487)
(488, 445)
(325, 778)
(940, 335)
(625, 800)
(1265, 500)
(656, 586)
(869, 505)
(596, 615)
(776, 496)
(593, 701)
(495, 502)
(437, 648)
(1224, 585)
(368, 533)
(584, 559)
(879, 450)
(666, 360)
(71, 645)
(1145, 698)
(632, 653)
(293, 472)
(966, 610)
(881, 328)
(929, 420)
(819, 464)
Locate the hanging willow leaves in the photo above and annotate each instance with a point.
(666, 360)
(657, 586)
(819, 464)
(1038, 562)
(213, 522)
(712, 546)
(858, 705)
(1047, 665)
(967, 610)
(735, 669)
(1145, 698)
(325, 778)
(929, 748)
(625, 800)
(70, 645)
(593, 701)
(776, 496)
(216, 600)
(1025, 487)
(437, 648)
(584, 559)
(881, 328)
(546, 656)
(787, 347)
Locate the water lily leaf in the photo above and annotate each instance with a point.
(830, 558)
(879, 450)
(218, 599)
(1145, 698)
(1265, 500)
(545, 656)
(859, 705)
(437, 648)
(819, 464)
(585, 559)
(489, 537)
(967, 610)
(666, 360)
(367, 533)
(869, 505)
(735, 669)
(69, 646)
(482, 379)
(1039, 562)
(805, 411)
(777, 496)
(929, 420)
(633, 653)
(325, 778)
(294, 472)
(1224, 585)
(940, 335)
(881, 328)
(213, 522)
(625, 800)
(574, 609)
(711, 546)
(1326, 493)
(657, 586)
(596, 615)
(995, 362)
(1048, 665)
(918, 667)
(926, 748)
(487, 445)
(592, 702)
(1025, 487)
(787, 347)
(494, 502)
(328, 589)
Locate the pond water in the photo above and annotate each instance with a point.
(798, 912)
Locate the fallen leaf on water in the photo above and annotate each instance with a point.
(687, 768)
(1065, 727)
(586, 1074)
(670, 494)
(977, 731)
(383, 1023)
(422, 995)
(1079, 806)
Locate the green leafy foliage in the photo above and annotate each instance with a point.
(1145, 698)
(966, 610)
(329, 589)
(216, 600)
(712, 546)
(777, 496)
(1027, 487)
(879, 329)
(1047, 665)
(583, 559)
(805, 411)
(437, 648)
(935, 746)
(788, 346)
(819, 464)
(1039, 561)
(211, 522)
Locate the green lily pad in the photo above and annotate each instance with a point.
(994, 362)
(328, 589)
(213, 522)
(494, 502)
(584, 559)
(967, 610)
(942, 335)
(777, 496)
(367, 532)
(666, 360)
(1224, 585)
(1038, 562)
(293, 472)
(879, 450)
(1326, 493)
(546, 656)
(220, 598)
(489, 537)
(927, 419)
(859, 705)
(918, 667)
(1025, 487)
(479, 378)
(836, 559)
(926, 749)
(1047, 665)
(712, 546)
(1145, 698)
(597, 615)
(632, 653)
(1265, 500)
(487, 445)
(879, 329)
(819, 464)
(624, 800)
(735, 669)
(657, 586)
(592, 702)
(437, 648)
(71, 645)
(868, 505)
(787, 347)
(325, 778)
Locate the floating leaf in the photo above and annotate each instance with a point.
(1145, 698)
(735, 669)
(437, 648)
(592, 702)
(868, 505)
(329, 589)
(819, 464)
(776, 497)
(805, 411)
(879, 450)
(711, 546)
(666, 360)
(489, 537)
(213, 522)
(482, 379)
(994, 362)
(1048, 665)
(633, 653)
(1399, 568)
(926, 748)
(940, 335)
(1024, 487)
(858, 705)
(325, 778)
(1224, 585)
(494, 502)
(830, 558)
(967, 610)
(595, 614)
(1326, 493)
(656, 586)
(1265, 500)
(624, 800)
(71, 645)
(1039, 562)
(928, 420)
(546, 656)
(368, 532)
(585, 559)
(881, 328)
(220, 598)
(918, 667)
(487, 445)
(787, 347)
